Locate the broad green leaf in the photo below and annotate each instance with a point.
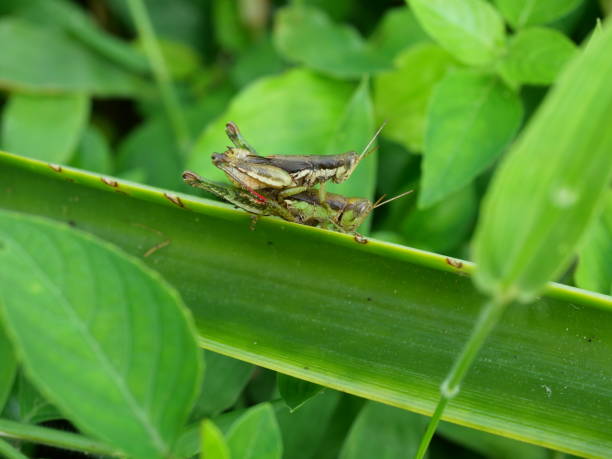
(27, 405)
(46, 127)
(296, 392)
(552, 183)
(267, 112)
(213, 444)
(384, 432)
(396, 31)
(471, 30)
(8, 367)
(401, 96)
(223, 382)
(118, 336)
(386, 320)
(594, 270)
(491, 446)
(521, 13)
(93, 152)
(258, 60)
(305, 35)
(442, 226)
(353, 132)
(256, 435)
(44, 59)
(536, 55)
(471, 119)
(303, 430)
(72, 19)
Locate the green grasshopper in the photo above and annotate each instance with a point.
(289, 174)
(342, 214)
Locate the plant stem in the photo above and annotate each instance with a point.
(54, 437)
(161, 73)
(450, 387)
(9, 452)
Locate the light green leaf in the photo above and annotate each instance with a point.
(306, 35)
(536, 56)
(471, 30)
(401, 96)
(256, 435)
(296, 392)
(387, 320)
(43, 59)
(223, 382)
(384, 432)
(213, 444)
(396, 31)
(267, 113)
(521, 13)
(471, 119)
(549, 189)
(594, 270)
(46, 127)
(8, 367)
(93, 152)
(93, 324)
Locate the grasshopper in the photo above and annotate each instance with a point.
(289, 175)
(342, 214)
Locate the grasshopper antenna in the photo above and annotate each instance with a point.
(375, 205)
(378, 203)
(366, 151)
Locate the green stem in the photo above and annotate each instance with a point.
(54, 437)
(160, 70)
(9, 452)
(449, 389)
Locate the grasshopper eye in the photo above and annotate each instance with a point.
(218, 158)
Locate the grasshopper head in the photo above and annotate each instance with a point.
(355, 212)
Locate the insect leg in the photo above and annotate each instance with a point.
(232, 131)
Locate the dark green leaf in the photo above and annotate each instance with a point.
(224, 380)
(594, 267)
(296, 392)
(27, 405)
(471, 30)
(536, 56)
(546, 193)
(384, 432)
(306, 35)
(521, 13)
(402, 95)
(91, 323)
(47, 60)
(303, 430)
(46, 127)
(93, 152)
(8, 366)
(258, 60)
(471, 119)
(256, 435)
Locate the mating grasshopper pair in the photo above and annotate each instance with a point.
(341, 213)
(283, 185)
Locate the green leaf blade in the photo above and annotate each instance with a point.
(213, 442)
(471, 30)
(296, 392)
(256, 435)
(104, 347)
(44, 127)
(549, 189)
(471, 119)
(521, 13)
(536, 55)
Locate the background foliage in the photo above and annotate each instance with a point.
(89, 84)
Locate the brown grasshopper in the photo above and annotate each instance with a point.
(288, 174)
(342, 214)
